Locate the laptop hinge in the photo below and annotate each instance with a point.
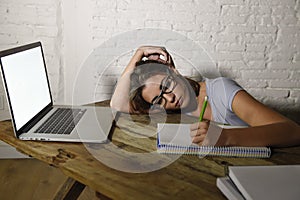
(33, 121)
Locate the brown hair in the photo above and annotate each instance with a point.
(145, 70)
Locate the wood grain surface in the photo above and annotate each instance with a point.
(128, 167)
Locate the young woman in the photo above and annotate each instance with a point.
(148, 86)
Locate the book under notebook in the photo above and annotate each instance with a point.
(175, 139)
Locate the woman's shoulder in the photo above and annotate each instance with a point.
(222, 87)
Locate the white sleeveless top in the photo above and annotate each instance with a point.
(221, 92)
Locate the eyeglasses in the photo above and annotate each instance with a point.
(167, 86)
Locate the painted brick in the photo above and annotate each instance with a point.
(265, 74)
(241, 36)
(258, 83)
(295, 93)
(270, 2)
(230, 20)
(224, 38)
(297, 57)
(231, 2)
(233, 64)
(253, 56)
(259, 38)
(240, 29)
(279, 64)
(274, 93)
(256, 64)
(261, 10)
(228, 56)
(229, 47)
(266, 29)
(255, 47)
(285, 84)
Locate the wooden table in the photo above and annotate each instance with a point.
(129, 168)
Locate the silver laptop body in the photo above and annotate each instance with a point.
(25, 79)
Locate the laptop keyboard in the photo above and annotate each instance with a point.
(62, 121)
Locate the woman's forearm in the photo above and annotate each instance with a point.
(279, 134)
(120, 97)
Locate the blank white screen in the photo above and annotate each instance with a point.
(26, 84)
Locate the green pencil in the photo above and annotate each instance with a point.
(203, 108)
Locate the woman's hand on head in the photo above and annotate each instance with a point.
(156, 53)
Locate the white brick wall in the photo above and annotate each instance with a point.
(25, 21)
(257, 42)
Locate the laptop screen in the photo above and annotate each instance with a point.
(26, 83)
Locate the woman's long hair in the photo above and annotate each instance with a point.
(143, 71)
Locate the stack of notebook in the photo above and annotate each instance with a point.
(261, 182)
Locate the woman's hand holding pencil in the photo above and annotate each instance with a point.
(199, 130)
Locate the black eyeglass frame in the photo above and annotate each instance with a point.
(164, 90)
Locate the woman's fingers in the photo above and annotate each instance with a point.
(198, 131)
(198, 140)
(154, 57)
(153, 53)
(200, 125)
(148, 50)
(157, 53)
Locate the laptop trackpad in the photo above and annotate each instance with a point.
(95, 125)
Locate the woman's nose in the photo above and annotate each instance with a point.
(170, 97)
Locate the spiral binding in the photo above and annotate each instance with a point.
(246, 152)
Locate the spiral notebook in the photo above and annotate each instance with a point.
(175, 139)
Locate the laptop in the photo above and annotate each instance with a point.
(34, 117)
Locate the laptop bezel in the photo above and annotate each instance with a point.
(46, 109)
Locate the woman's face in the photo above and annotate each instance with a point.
(168, 91)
